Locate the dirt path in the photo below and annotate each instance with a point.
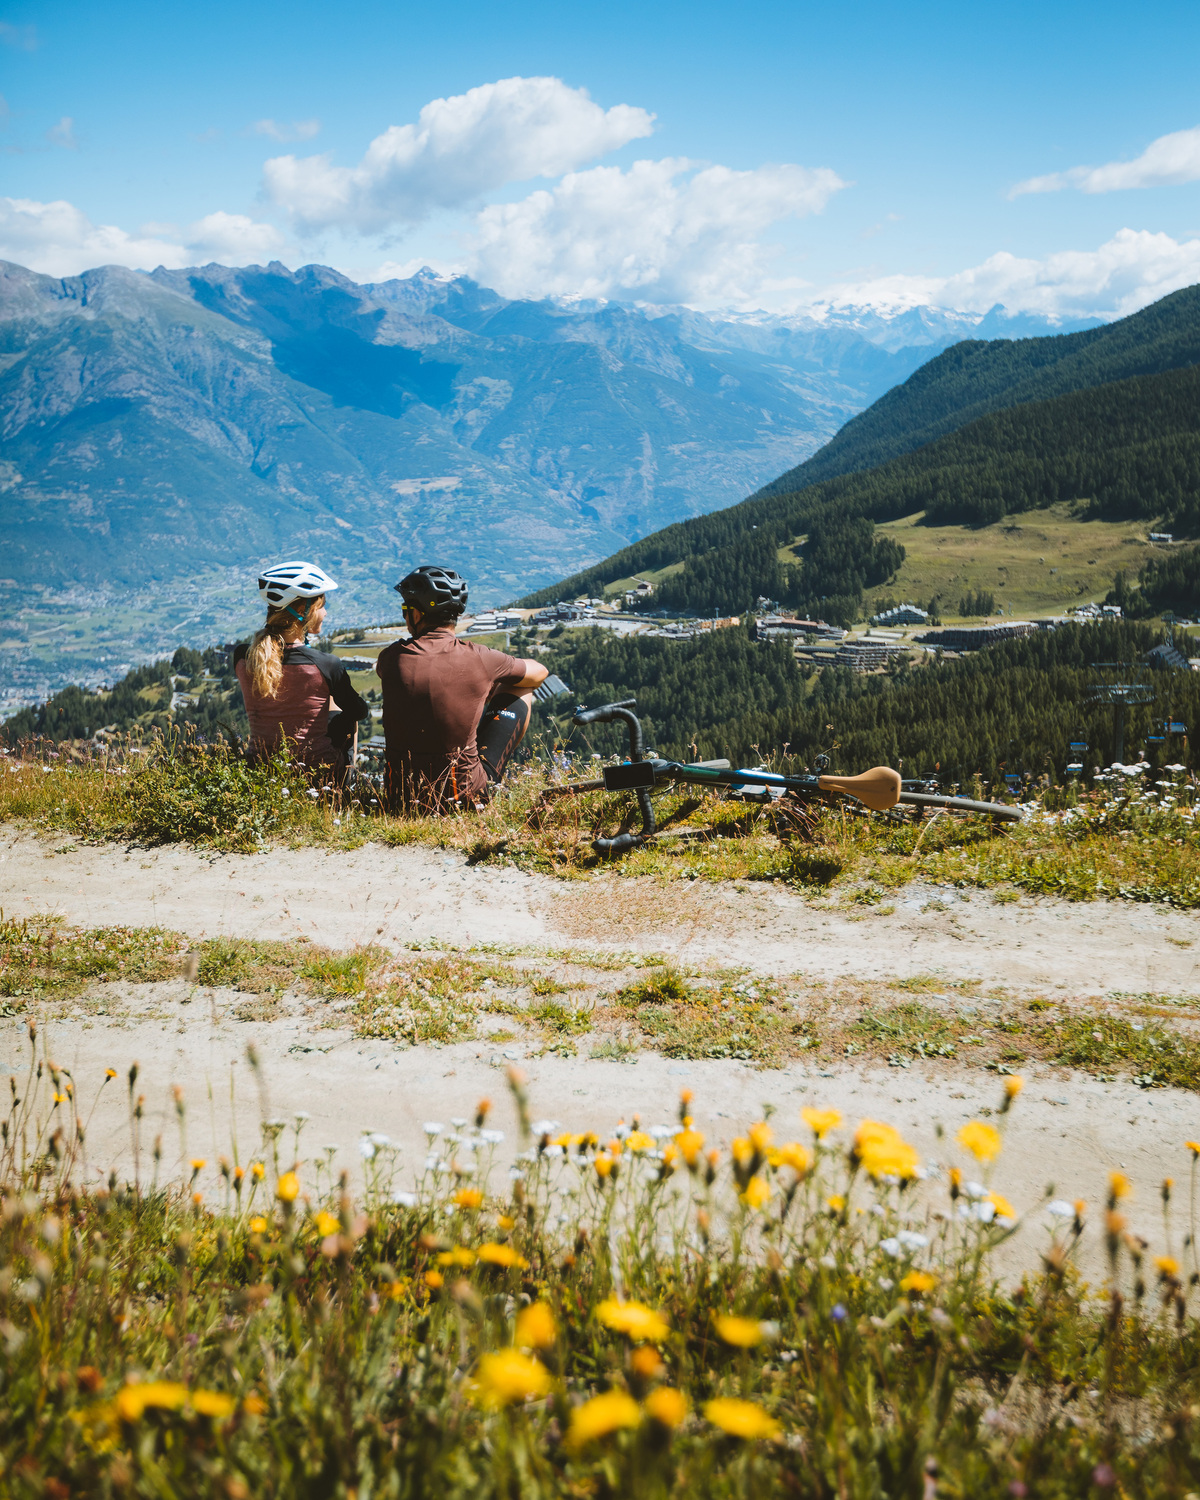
(1068, 1131)
(396, 896)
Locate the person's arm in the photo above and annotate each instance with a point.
(342, 726)
(535, 675)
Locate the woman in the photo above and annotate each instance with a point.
(287, 686)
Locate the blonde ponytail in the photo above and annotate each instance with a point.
(264, 655)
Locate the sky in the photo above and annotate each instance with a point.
(778, 156)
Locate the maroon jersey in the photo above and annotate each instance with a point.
(300, 710)
(435, 690)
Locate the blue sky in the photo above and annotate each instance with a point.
(797, 153)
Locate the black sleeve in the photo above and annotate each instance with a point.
(239, 654)
(341, 726)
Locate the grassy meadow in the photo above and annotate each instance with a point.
(1124, 839)
(812, 1313)
(1037, 563)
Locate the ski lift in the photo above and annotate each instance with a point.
(1175, 727)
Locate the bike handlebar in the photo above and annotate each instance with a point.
(606, 713)
(621, 843)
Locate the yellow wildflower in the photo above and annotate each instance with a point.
(287, 1189)
(758, 1193)
(603, 1165)
(459, 1256)
(165, 1395)
(646, 1362)
(690, 1143)
(792, 1154)
(1194, 1148)
(1004, 1209)
(505, 1221)
(821, 1121)
(536, 1328)
(743, 1419)
(635, 1319)
(258, 1225)
(254, 1405)
(601, 1416)
(199, 1163)
(742, 1150)
(110, 1072)
(1167, 1265)
(468, 1198)
(917, 1283)
(327, 1223)
(883, 1151)
(502, 1255)
(509, 1376)
(636, 1140)
(742, 1333)
(982, 1141)
(1119, 1186)
(666, 1406)
(761, 1136)
(434, 1280)
(835, 1203)
(1012, 1087)
(212, 1403)
(258, 1171)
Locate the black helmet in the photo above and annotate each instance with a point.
(437, 592)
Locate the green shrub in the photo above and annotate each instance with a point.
(209, 796)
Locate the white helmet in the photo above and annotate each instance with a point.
(289, 581)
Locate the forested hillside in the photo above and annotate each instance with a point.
(1169, 582)
(141, 702)
(1127, 449)
(973, 378)
(1014, 706)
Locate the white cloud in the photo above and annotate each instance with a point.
(1132, 269)
(23, 37)
(63, 134)
(662, 231)
(298, 130)
(59, 239)
(234, 239)
(460, 148)
(1166, 162)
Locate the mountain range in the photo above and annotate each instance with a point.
(1107, 420)
(165, 434)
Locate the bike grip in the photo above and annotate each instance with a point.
(620, 844)
(605, 714)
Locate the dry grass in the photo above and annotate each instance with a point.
(1108, 846)
(558, 998)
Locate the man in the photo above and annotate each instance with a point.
(453, 711)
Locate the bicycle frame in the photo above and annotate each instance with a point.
(878, 789)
